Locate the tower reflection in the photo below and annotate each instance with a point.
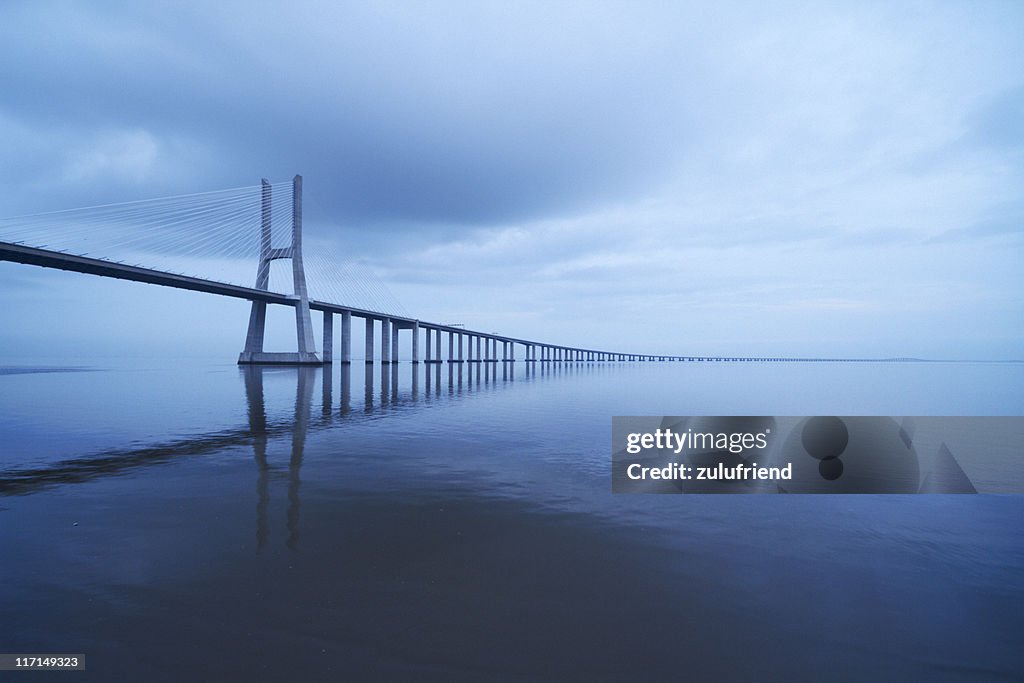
(254, 392)
(391, 391)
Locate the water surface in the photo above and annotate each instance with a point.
(187, 519)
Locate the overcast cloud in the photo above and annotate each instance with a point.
(807, 178)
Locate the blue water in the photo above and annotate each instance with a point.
(189, 520)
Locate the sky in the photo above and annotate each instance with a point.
(826, 179)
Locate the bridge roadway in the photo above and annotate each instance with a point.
(47, 258)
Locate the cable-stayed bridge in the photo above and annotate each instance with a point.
(219, 235)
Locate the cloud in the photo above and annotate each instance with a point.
(131, 155)
(570, 161)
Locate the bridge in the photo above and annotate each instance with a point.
(463, 345)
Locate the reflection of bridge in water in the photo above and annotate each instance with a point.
(382, 389)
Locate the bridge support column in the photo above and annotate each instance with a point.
(416, 342)
(385, 340)
(328, 337)
(394, 342)
(460, 346)
(369, 340)
(512, 351)
(479, 356)
(426, 335)
(437, 345)
(346, 337)
(451, 347)
(253, 352)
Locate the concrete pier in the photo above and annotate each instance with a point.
(369, 340)
(385, 340)
(416, 342)
(426, 336)
(394, 342)
(253, 352)
(328, 354)
(451, 347)
(346, 337)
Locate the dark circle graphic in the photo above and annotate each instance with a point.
(825, 437)
(830, 468)
(877, 458)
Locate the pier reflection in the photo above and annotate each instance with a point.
(391, 390)
(255, 397)
(272, 417)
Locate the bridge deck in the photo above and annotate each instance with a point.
(47, 258)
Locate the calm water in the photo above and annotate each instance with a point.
(189, 520)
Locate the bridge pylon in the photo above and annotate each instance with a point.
(253, 352)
